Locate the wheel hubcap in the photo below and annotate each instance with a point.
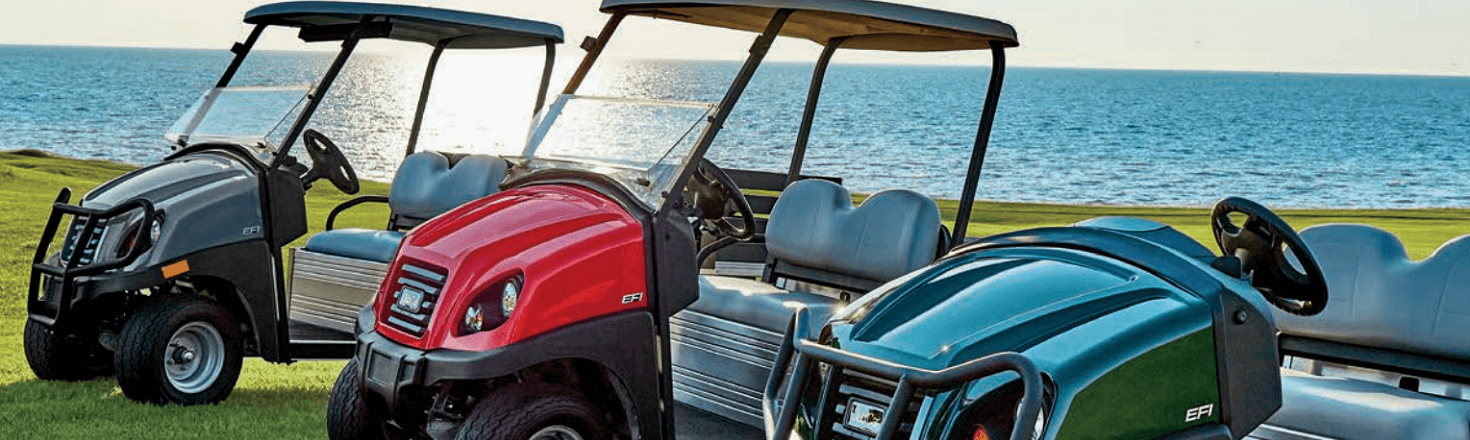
(194, 358)
(556, 432)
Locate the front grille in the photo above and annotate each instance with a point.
(415, 293)
(89, 250)
(873, 392)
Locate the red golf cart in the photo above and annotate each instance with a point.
(544, 311)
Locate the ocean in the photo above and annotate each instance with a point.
(1083, 136)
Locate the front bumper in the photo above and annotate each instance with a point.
(805, 354)
(393, 370)
(68, 281)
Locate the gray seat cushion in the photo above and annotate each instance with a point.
(362, 244)
(425, 185)
(758, 304)
(1342, 408)
(1381, 298)
(815, 225)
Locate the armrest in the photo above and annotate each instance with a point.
(332, 218)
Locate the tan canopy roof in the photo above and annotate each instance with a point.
(866, 24)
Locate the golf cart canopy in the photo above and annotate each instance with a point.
(864, 24)
(456, 29)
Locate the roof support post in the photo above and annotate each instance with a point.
(812, 94)
(240, 50)
(545, 76)
(758, 51)
(318, 93)
(982, 140)
(593, 52)
(418, 113)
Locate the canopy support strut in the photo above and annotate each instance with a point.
(812, 94)
(418, 114)
(545, 76)
(593, 52)
(982, 141)
(318, 93)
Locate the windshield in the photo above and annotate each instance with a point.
(257, 117)
(643, 144)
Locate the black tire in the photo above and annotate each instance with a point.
(58, 357)
(521, 411)
(349, 415)
(167, 332)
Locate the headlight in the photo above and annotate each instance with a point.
(509, 295)
(474, 318)
(156, 231)
(492, 306)
(131, 236)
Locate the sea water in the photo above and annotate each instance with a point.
(1117, 137)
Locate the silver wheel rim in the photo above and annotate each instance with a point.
(556, 432)
(194, 357)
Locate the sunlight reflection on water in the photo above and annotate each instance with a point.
(1061, 135)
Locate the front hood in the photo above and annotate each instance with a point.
(166, 180)
(985, 302)
(577, 253)
(528, 216)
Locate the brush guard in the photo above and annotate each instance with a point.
(807, 353)
(62, 280)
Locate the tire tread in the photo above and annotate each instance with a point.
(517, 411)
(136, 358)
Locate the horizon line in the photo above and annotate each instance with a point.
(1010, 63)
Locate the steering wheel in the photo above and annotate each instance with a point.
(1259, 244)
(714, 196)
(327, 161)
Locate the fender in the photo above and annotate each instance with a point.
(252, 300)
(394, 366)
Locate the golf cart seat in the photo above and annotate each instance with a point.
(1389, 357)
(426, 185)
(822, 251)
(339, 270)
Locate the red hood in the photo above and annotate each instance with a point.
(578, 252)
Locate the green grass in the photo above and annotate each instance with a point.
(289, 401)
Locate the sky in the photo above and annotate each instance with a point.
(1427, 37)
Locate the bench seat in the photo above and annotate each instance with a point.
(1389, 315)
(724, 345)
(362, 244)
(1342, 408)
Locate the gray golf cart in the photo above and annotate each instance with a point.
(168, 275)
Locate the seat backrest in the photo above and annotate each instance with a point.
(1380, 298)
(740, 258)
(427, 185)
(815, 234)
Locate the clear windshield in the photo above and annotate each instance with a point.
(642, 144)
(257, 117)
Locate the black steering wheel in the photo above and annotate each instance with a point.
(327, 161)
(714, 196)
(1260, 245)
